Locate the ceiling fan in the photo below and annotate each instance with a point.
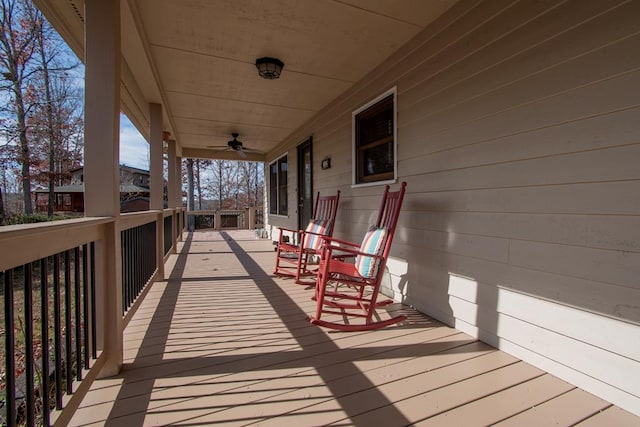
(235, 145)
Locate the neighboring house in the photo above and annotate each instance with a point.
(134, 192)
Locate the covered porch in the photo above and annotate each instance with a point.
(514, 124)
(222, 341)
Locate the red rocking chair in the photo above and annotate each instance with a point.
(355, 286)
(294, 259)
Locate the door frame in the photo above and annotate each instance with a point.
(301, 173)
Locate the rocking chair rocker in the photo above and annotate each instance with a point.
(294, 259)
(357, 284)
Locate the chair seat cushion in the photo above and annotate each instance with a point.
(313, 233)
(373, 243)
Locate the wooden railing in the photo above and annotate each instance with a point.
(226, 219)
(57, 315)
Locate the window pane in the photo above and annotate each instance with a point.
(374, 142)
(282, 179)
(376, 127)
(378, 159)
(278, 187)
(273, 188)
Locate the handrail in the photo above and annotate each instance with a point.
(135, 219)
(25, 243)
(68, 248)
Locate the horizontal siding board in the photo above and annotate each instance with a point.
(451, 129)
(536, 49)
(570, 75)
(597, 297)
(592, 133)
(493, 29)
(617, 267)
(594, 231)
(589, 382)
(612, 369)
(621, 198)
(612, 164)
(598, 331)
(489, 248)
(608, 367)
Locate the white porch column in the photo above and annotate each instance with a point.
(101, 167)
(172, 195)
(178, 195)
(178, 181)
(171, 191)
(156, 193)
(155, 153)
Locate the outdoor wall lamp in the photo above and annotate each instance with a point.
(269, 68)
(326, 163)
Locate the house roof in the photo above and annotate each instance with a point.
(126, 167)
(79, 188)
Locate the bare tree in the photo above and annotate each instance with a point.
(17, 47)
(2, 214)
(58, 117)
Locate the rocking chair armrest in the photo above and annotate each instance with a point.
(348, 252)
(331, 241)
(282, 229)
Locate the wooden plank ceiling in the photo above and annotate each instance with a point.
(196, 58)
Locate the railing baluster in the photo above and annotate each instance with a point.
(76, 310)
(94, 343)
(67, 322)
(9, 350)
(123, 253)
(44, 309)
(28, 344)
(85, 303)
(57, 325)
(139, 270)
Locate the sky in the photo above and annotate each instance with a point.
(134, 149)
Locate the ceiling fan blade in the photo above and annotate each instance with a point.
(242, 154)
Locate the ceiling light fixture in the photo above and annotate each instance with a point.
(269, 68)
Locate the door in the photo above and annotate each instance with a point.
(305, 183)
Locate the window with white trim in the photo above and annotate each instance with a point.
(278, 186)
(374, 140)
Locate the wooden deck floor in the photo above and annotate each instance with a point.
(224, 342)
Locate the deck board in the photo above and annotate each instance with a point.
(223, 341)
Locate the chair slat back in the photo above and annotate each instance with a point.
(326, 207)
(388, 215)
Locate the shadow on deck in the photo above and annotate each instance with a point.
(222, 341)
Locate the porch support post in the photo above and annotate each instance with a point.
(156, 200)
(173, 175)
(173, 191)
(156, 197)
(101, 168)
(178, 194)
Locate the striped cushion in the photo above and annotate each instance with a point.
(319, 227)
(372, 243)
